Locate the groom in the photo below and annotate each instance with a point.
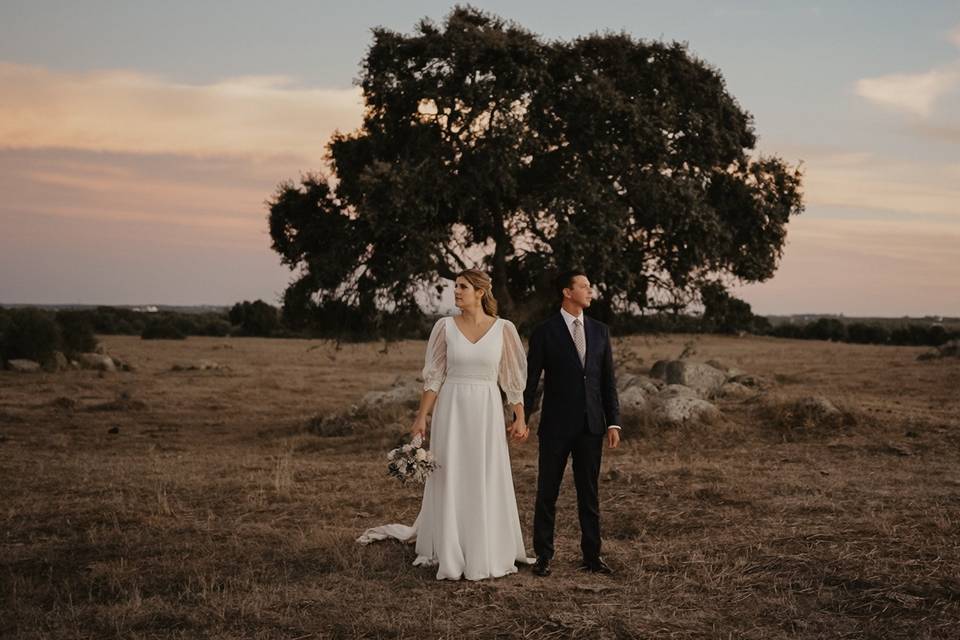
(580, 409)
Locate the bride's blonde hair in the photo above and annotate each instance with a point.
(482, 282)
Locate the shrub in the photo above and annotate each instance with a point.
(30, 333)
(826, 329)
(861, 333)
(255, 318)
(76, 329)
(162, 329)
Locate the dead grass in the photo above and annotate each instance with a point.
(220, 509)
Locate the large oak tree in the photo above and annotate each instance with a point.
(482, 144)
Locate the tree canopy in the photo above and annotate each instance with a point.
(484, 145)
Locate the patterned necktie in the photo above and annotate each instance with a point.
(578, 340)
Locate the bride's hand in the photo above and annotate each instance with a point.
(419, 427)
(519, 430)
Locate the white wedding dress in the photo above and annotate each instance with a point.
(468, 523)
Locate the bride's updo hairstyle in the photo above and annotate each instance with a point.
(482, 282)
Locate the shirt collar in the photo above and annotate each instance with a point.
(569, 317)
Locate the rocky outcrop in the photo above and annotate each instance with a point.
(201, 365)
(702, 378)
(23, 366)
(681, 409)
(98, 361)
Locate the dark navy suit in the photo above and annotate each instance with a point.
(579, 403)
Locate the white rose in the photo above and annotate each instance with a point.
(407, 448)
(421, 454)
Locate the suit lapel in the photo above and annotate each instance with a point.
(589, 337)
(567, 339)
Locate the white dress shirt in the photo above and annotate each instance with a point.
(569, 318)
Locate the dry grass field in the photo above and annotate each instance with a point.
(200, 504)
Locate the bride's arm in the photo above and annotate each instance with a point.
(434, 372)
(513, 378)
(427, 400)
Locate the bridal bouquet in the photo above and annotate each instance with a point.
(411, 462)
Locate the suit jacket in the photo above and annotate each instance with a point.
(572, 392)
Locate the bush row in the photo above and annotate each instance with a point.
(35, 334)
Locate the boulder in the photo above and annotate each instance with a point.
(123, 365)
(96, 361)
(23, 366)
(677, 391)
(722, 366)
(702, 378)
(735, 390)
(57, 362)
(202, 365)
(716, 364)
(659, 369)
(625, 380)
(682, 410)
(754, 382)
(818, 407)
(633, 399)
(648, 385)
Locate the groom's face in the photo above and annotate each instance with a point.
(580, 292)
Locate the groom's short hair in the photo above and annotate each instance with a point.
(565, 280)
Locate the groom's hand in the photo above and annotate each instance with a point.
(613, 438)
(519, 430)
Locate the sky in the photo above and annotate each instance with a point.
(139, 141)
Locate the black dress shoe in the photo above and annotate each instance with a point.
(597, 565)
(541, 567)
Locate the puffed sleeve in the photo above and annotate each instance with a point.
(435, 362)
(513, 365)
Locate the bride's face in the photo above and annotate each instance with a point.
(465, 296)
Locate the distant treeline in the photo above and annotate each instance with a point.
(36, 334)
(901, 333)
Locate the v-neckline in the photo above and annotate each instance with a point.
(480, 339)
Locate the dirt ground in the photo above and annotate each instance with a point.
(200, 504)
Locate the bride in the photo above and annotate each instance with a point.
(468, 523)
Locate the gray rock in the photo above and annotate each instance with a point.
(677, 391)
(633, 399)
(625, 381)
(659, 369)
(722, 366)
(23, 366)
(123, 365)
(58, 362)
(702, 378)
(648, 385)
(736, 390)
(752, 381)
(716, 364)
(682, 410)
(202, 365)
(96, 361)
(817, 406)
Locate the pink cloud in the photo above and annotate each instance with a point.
(135, 112)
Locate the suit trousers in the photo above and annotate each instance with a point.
(586, 449)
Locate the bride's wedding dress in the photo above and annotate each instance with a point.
(468, 523)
